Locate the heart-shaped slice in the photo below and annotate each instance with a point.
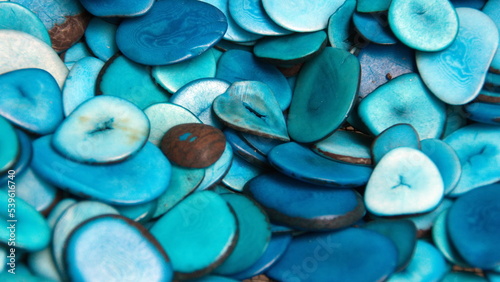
(405, 181)
(250, 106)
(104, 129)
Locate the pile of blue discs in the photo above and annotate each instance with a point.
(256, 140)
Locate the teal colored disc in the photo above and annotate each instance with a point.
(324, 95)
(198, 234)
(131, 81)
(9, 145)
(254, 236)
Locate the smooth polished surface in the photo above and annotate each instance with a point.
(254, 234)
(31, 99)
(479, 153)
(398, 135)
(375, 259)
(113, 8)
(9, 144)
(404, 99)
(473, 226)
(457, 73)
(171, 32)
(305, 206)
(324, 95)
(112, 247)
(104, 129)
(301, 15)
(139, 179)
(123, 78)
(250, 106)
(198, 96)
(198, 234)
(347, 146)
(81, 82)
(237, 65)
(18, 17)
(445, 159)
(302, 163)
(405, 181)
(425, 25)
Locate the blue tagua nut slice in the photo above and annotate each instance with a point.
(76, 52)
(404, 182)
(80, 83)
(324, 95)
(250, 15)
(381, 63)
(30, 230)
(445, 159)
(173, 77)
(403, 234)
(398, 135)
(301, 163)
(198, 234)
(11, 148)
(73, 216)
(198, 96)
(31, 99)
(301, 15)
(346, 146)
(104, 129)
(254, 234)
(18, 17)
(123, 78)
(456, 74)
(23, 159)
(237, 65)
(484, 112)
(427, 264)
(276, 248)
(21, 50)
(442, 240)
(479, 152)
(404, 99)
(36, 191)
(305, 206)
(339, 25)
(130, 248)
(474, 227)
(171, 32)
(332, 255)
(425, 25)
(251, 106)
(120, 8)
(100, 38)
(183, 181)
(373, 27)
(141, 178)
(291, 49)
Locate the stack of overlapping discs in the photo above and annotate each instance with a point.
(257, 140)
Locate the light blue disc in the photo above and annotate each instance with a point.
(100, 37)
(173, 77)
(81, 82)
(301, 15)
(456, 74)
(250, 15)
